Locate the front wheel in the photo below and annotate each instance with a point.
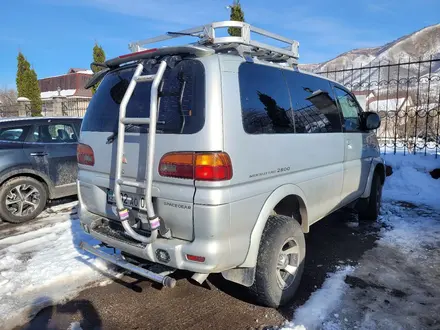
(22, 199)
(371, 210)
(280, 262)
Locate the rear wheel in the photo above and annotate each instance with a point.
(280, 262)
(22, 199)
(371, 210)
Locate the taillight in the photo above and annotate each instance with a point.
(85, 155)
(177, 165)
(203, 166)
(213, 167)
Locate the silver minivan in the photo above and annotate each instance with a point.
(218, 156)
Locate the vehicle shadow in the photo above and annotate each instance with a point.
(88, 259)
(332, 242)
(61, 201)
(61, 316)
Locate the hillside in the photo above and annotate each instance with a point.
(421, 44)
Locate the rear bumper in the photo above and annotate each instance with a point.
(214, 248)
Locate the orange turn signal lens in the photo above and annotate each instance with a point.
(177, 165)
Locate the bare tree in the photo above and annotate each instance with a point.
(8, 102)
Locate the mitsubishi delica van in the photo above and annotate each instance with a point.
(218, 156)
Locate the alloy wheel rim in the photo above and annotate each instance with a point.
(22, 200)
(287, 263)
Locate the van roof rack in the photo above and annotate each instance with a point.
(244, 44)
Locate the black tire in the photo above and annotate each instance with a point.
(266, 288)
(371, 210)
(26, 185)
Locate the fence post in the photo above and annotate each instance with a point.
(23, 104)
(58, 105)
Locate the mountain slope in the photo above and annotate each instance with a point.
(421, 44)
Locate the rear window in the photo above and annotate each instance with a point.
(182, 101)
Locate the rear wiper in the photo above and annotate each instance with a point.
(113, 136)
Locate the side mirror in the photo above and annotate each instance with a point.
(371, 120)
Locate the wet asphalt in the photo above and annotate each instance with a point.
(135, 303)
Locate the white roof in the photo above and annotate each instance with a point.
(85, 71)
(63, 92)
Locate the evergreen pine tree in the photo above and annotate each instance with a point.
(237, 14)
(22, 67)
(98, 57)
(27, 84)
(34, 93)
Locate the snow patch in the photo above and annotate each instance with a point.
(411, 181)
(321, 303)
(396, 285)
(75, 326)
(44, 267)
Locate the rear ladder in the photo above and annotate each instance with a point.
(123, 212)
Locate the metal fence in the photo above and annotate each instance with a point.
(69, 107)
(407, 97)
(75, 108)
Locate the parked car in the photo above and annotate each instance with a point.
(244, 157)
(37, 163)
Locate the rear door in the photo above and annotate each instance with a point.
(357, 159)
(12, 156)
(51, 147)
(178, 123)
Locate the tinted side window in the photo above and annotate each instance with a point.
(350, 110)
(55, 133)
(17, 133)
(315, 109)
(265, 101)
